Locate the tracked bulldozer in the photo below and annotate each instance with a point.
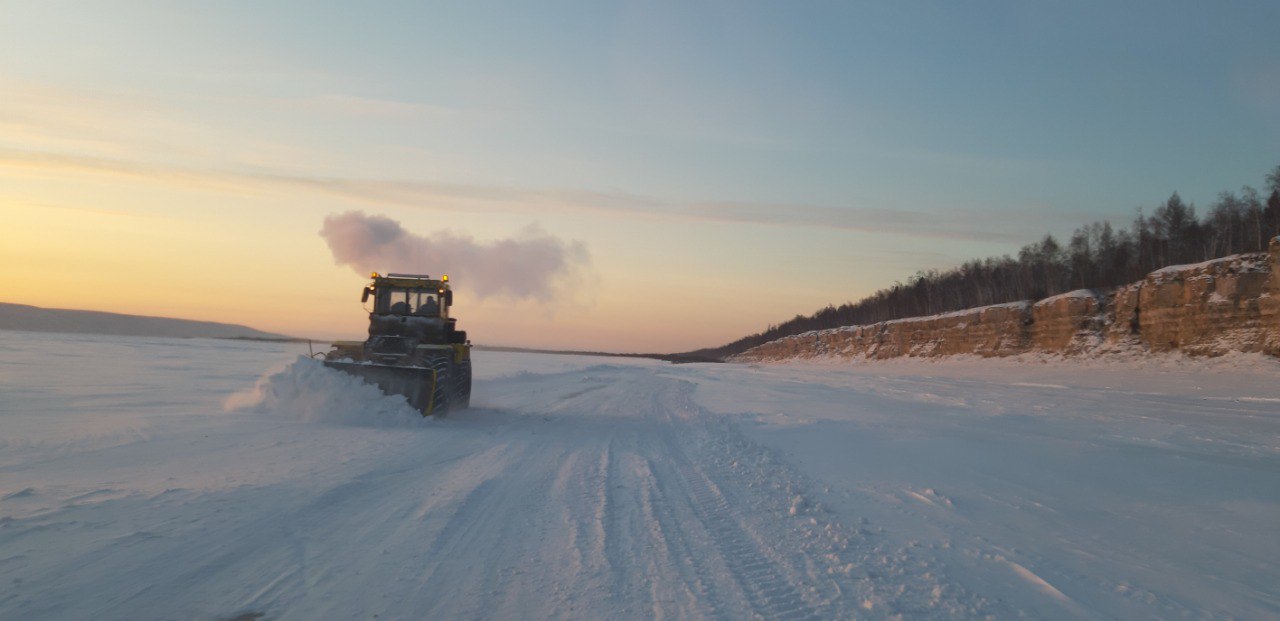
(414, 347)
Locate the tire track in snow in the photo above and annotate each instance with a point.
(624, 549)
(662, 557)
(759, 582)
(770, 593)
(668, 525)
(836, 571)
(487, 557)
(685, 538)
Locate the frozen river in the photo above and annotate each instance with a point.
(179, 479)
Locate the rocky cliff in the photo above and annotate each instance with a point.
(1212, 308)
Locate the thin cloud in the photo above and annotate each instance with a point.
(354, 106)
(91, 211)
(866, 220)
(460, 197)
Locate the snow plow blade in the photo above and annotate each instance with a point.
(417, 384)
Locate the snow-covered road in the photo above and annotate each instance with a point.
(148, 478)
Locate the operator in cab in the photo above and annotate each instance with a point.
(429, 308)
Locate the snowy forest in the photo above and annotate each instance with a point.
(1097, 256)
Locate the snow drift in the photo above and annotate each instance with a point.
(306, 390)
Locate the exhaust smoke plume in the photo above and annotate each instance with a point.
(528, 265)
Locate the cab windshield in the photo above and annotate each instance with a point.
(423, 303)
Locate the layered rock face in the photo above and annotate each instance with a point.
(1225, 305)
(1269, 303)
(985, 331)
(1210, 308)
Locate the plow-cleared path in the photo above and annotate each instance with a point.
(585, 488)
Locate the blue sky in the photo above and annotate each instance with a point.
(829, 148)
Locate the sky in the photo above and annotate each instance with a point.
(619, 176)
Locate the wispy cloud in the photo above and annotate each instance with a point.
(351, 106)
(92, 211)
(56, 130)
(44, 118)
(536, 201)
(868, 220)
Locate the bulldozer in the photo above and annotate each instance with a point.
(414, 348)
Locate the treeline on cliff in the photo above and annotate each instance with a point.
(1098, 255)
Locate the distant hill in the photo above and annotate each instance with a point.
(35, 319)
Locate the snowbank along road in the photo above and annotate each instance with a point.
(151, 478)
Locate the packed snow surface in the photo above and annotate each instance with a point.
(198, 479)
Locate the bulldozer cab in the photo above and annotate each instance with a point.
(399, 301)
(414, 348)
(410, 295)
